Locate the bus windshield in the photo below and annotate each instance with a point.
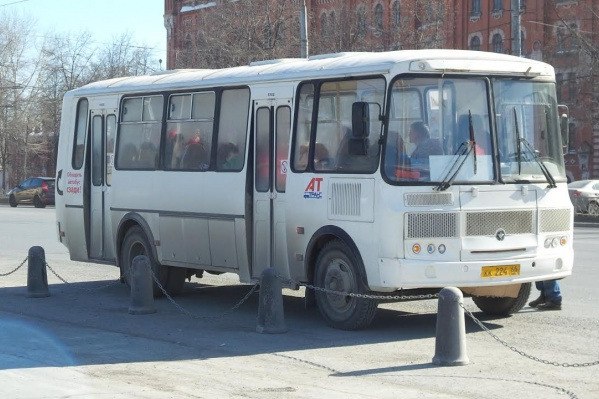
(527, 131)
(440, 131)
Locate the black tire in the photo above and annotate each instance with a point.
(12, 201)
(339, 269)
(136, 243)
(502, 306)
(38, 203)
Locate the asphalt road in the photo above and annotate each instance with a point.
(81, 342)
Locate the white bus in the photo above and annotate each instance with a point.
(383, 173)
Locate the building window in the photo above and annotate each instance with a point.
(567, 37)
(475, 7)
(572, 86)
(559, 83)
(323, 25)
(361, 21)
(378, 18)
(497, 43)
(397, 14)
(475, 43)
(497, 5)
(332, 21)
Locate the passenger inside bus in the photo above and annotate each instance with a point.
(195, 155)
(228, 157)
(397, 161)
(128, 156)
(148, 155)
(425, 146)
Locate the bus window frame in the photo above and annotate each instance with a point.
(317, 83)
(166, 102)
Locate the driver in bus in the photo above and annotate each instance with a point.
(424, 146)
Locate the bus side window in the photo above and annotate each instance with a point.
(80, 129)
(232, 131)
(303, 126)
(139, 137)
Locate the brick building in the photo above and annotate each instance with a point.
(555, 31)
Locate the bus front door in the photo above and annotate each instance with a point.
(272, 129)
(103, 128)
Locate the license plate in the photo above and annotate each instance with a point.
(500, 271)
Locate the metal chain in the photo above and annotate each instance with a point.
(110, 284)
(55, 274)
(188, 313)
(15, 269)
(520, 352)
(356, 295)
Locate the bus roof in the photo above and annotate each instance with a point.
(323, 66)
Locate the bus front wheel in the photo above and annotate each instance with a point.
(338, 269)
(136, 243)
(503, 306)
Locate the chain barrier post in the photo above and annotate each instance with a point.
(37, 279)
(450, 342)
(142, 293)
(271, 317)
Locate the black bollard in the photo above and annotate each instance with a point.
(142, 291)
(450, 343)
(37, 279)
(271, 318)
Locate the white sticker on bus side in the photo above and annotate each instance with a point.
(313, 189)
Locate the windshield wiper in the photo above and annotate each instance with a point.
(518, 142)
(462, 154)
(544, 169)
(463, 150)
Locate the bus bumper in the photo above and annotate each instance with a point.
(406, 274)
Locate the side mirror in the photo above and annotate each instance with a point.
(360, 120)
(564, 124)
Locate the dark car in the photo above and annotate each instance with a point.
(584, 195)
(38, 191)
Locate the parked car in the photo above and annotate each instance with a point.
(38, 191)
(584, 195)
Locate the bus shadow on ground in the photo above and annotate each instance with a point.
(80, 324)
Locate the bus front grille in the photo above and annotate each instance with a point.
(551, 220)
(432, 225)
(488, 223)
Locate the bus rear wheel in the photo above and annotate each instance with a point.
(339, 269)
(503, 306)
(136, 243)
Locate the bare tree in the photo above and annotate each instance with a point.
(236, 33)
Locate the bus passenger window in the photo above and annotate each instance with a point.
(232, 130)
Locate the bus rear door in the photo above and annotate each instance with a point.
(103, 128)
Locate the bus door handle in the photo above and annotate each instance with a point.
(58, 177)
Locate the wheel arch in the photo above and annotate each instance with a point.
(128, 221)
(319, 239)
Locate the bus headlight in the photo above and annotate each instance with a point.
(548, 242)
(441, 248)
(563, 241)
(555, 242)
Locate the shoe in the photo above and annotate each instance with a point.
(549, 305)
(539, 301)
